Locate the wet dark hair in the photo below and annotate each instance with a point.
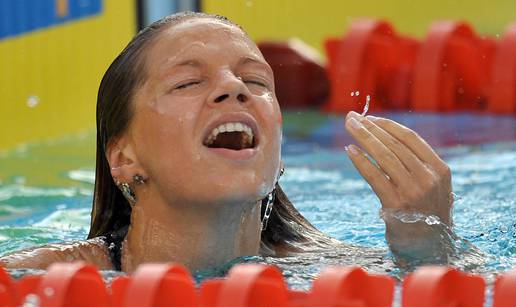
(111, 211)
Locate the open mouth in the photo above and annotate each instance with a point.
(233, 136)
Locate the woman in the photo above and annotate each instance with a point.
(188, 160)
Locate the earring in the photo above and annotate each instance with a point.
(138, 179)
(282, 171)
(268, 209)
(128, 193)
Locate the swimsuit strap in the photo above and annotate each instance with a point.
(114, 246)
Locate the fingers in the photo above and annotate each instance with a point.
(408, 158)
(413, 141)
(385, 158)
(372, 174)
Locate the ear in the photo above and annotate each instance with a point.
(123, 160)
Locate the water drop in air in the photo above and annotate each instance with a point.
(32, 101)
(366, 106)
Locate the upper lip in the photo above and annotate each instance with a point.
(239, 117)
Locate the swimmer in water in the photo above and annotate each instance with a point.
(188, 160)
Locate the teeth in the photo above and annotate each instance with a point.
(230, 127)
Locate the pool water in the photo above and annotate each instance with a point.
(46, 192)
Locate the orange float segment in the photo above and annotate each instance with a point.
(442, 287)
(117, 290)
(7, 290)
(367, 55)
(502, 98)
(332, 47)
(160, 285)
(449, 72)
(209, 292)
(351, 286)
(72, 284)
(298, 298)
(25, 286)
(505, 290)
(250, 285)
(399, 82)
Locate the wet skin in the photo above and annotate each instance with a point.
(201, 206)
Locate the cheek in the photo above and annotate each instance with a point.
(163, 138)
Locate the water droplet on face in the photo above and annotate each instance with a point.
(32, 101)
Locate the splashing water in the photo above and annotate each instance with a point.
(366, 106)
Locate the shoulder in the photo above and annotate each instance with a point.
(92, 251)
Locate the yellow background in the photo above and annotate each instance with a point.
(62, 67)
(312, 21)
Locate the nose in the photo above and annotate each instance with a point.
(229, 88)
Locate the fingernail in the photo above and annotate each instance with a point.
(356, 116)
(351, 149)
(372, 118)
(354, 123)
(353, 114)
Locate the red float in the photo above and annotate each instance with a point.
(370, 60)
(72, 284)
(505, 290)
(503, 85)
(351, 286)
(451, 70)
(154, 285)
(442, 287)
(248, 285)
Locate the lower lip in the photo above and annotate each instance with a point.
(242, 154)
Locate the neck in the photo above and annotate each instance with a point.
(197, 236)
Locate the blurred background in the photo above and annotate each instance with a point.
(53, 53)
(446, 69)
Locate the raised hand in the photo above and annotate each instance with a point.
(407, 176)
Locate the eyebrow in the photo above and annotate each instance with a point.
(249, 60)
(196, 64)
(192, 63)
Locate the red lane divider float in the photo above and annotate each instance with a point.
(452, 69)
(351, 287)
(442, 287)
(505, 290)
(247, 285)
(503, 88)
(7, 289)
(160, 285)
(80, 284)
(371, 59)
(74, 285)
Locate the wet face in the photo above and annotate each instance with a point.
(206, 127)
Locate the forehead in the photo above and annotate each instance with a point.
(200, 37)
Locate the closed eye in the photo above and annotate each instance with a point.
(187, 84)
(256, 83)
